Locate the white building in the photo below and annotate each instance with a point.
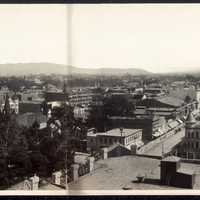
(126, 137)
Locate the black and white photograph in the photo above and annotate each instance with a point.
(99, 98)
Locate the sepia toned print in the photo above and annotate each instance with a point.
(99, 99)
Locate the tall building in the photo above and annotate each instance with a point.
(190, 147)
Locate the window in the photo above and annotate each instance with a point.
(110, 141)
(193, 146)
(197, 134)
(197, 145)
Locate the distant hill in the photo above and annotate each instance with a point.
(50, 68)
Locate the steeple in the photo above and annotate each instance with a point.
(190, 120)
(6, 109)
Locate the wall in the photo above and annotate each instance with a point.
(148, 125)
(29, 107)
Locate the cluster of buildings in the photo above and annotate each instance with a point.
(156, 112)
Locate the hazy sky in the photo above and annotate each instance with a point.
(158, 38)
(33, 33)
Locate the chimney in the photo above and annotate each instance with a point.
(121, 131)
(34, 182)
(91, 163)
(75, 168)
(105, 153)
(56, 177)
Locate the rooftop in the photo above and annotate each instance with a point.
(171, 101)
(171, 159)
(119, 173)
(118, 133)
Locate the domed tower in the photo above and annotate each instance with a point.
(190, 120)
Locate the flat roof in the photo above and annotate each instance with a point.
(171, 159)
(117, 132)
(118, 173)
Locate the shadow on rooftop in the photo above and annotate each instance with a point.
(148, 181)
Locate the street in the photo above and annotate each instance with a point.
(166, 145)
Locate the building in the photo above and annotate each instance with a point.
(28, 119)
(175, 173)
(167, 106)
(33, 94)
(154, 92)
(13, 104)
(55, 99)
(81, 97)
(190, 146)
(120, 173)
(149, 124)
(30, 107)
(81, 112)
(125, 137)
(76, 98)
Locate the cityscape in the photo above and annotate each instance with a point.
(99, 98)
(100, 132)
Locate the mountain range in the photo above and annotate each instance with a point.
(51, 68)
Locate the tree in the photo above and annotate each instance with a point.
(97, 118)
(13, 151)
(118, 105)
(188, 99)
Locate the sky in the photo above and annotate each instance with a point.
(158, 38)
(33, 33)
(154, 37)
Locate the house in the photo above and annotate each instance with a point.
(123, 136)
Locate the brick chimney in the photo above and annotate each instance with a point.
(105, 153)
(34, 182)
(121, 131)
(56, 177)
